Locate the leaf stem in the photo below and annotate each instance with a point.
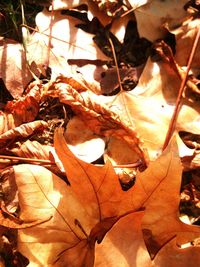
(179, 98)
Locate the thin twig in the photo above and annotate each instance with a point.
(116, 63)
(43, 161)
(49, 162)
(181, 90)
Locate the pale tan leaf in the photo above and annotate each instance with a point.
(152, 16)
(123, 246)
(13, 69)
(58, 41)
(185, 35)
(82, 141)
(149, 107)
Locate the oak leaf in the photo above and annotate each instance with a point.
(85, 211)
(58, 41)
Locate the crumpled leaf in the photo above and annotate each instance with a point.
(21, 131)
(17, 112)
(13, 69)
(185, 35)
(95, 114)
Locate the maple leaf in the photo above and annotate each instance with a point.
(83, 219)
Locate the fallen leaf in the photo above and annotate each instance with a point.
(173, 256)
(185, 35)
(152, 16)
(95, 114)
(9, 204)
(57, 41)
(162, 224)
(13, 69)
(77, 227)
(87, 146)
(17, 112)
(123, 245)
(22, 131)
(80, 219)
(31, 149)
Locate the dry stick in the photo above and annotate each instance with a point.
(182, 87)
(48, 162)
(50, 34)
(28, 159)
(116, 63)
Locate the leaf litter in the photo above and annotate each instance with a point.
(103, 193)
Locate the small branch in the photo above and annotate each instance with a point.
(116, 63)
(48, 162)
(13, 158)
(182, 87)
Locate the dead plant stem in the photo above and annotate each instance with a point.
(181, 90)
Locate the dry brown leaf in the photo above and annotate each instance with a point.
(99, 117)
(173, 256)
(185, 35)
(85, 211)
(13, 67)
(17, 112)
(22, 131)
(31, 149)
(123, 246)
